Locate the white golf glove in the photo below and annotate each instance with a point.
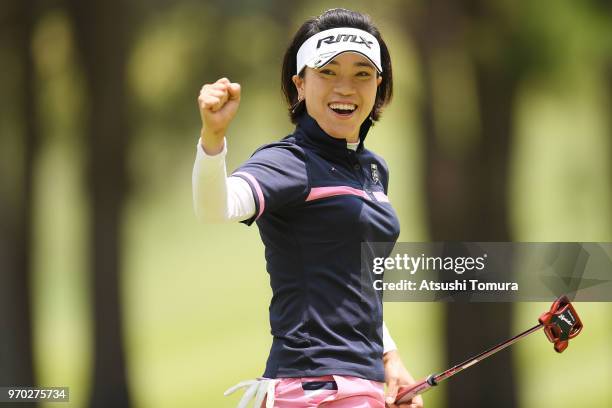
(259, 388)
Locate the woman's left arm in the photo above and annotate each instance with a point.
(396, 373)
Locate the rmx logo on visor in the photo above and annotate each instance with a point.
(345, 37)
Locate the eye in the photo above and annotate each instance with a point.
(326, 71)
(364, 74)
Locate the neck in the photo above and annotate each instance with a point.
(341, 141)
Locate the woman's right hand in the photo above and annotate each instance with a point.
(218, 104)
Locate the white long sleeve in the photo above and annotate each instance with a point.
(388, 343)
(216, 197)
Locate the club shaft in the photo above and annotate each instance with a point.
(476, 359)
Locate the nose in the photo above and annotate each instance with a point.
(344, 86)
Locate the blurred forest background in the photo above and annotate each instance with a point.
(499, 130)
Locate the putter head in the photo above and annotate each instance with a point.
(561, 323)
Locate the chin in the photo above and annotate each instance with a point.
(340, 132)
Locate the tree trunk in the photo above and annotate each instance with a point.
(101, 32)
(467, 202)
(16, 181)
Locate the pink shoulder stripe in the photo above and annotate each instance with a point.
(253, 180)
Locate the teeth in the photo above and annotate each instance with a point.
(343, 106)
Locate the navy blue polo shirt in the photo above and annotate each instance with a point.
(316, 202)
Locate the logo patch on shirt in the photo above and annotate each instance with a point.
(374, 171)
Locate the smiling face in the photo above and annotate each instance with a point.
(340, 95)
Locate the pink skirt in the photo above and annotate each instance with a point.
(352, 392)
(330, 391)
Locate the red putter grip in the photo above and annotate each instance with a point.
(405, 394)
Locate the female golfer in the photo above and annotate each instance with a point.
(319, 198)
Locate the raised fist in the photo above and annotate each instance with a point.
(218, 103)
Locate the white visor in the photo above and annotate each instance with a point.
(324, 46)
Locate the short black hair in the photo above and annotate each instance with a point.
(337, 17)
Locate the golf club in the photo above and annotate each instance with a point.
(561, 323)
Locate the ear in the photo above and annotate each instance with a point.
(378, 80)
(298, 81)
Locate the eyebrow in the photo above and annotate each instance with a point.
(357, 64)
